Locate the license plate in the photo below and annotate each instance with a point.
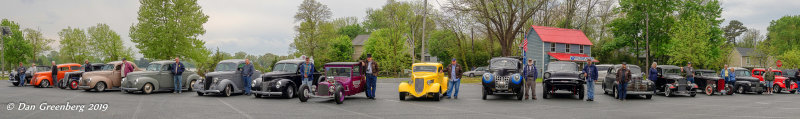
(356, 83)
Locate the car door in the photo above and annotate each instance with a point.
(115, 76)
(164, 77)
(236, 78)
(609, 81)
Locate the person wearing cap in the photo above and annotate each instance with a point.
(530, 79)
(126, 67)
(87, 67)
(307, 72)
(454, 70)
(623, 76)
(689, 70)
(21, 74)
(590, 72)
(769, 76)
(371, 73)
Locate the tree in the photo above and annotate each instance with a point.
(503, 19)
(783, 35)
(642, 20)
(311, 14)
(388, 50)
(170, 28)
(688, 43)
(15, 48)
(750, 38)
(38, 42)
(352, 30)
(74, 45)
(733, 30)
(107, 44)
(340, 49)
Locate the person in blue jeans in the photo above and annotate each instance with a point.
(176, 69)
(370, 71)
(590, 72)
(21, 74)
(623, 76)
(455, 73)
(307, 72)
(247, 72)
(689, 70)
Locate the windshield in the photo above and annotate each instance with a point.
(777, 73)
(153, 67)
(285, 67)
(338, 71)
(602, 68)
(41, 69)
(225, 66)
(505, 64)
(672, 71)
(709, 74)
(742, 73)
(424, 69)
(562, 67)
(634, 69)
(108, 67)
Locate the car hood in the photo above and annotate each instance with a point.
(564, 74)
(142, 73)
(220, 73)
(751, 79)
(422, 74)
(97, 73)
(673, 77)
(504, 71)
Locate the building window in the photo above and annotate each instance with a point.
(552, 47)
(567, 48)
(581, 49)
(747, 61)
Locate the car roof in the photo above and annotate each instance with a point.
(292, 61)
(504, 58)
(427, 64)
(233, 60)
(68, 64)
(668, 67)
(704, 70)
(738, 68)
(562, 62)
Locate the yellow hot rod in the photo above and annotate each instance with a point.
(427, 80)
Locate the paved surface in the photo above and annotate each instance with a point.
(469, 105)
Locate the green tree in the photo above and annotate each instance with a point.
(107, 44)
(311, 15)
(783, 34)
(388, 50)
(340, 49)
(733, 30)
(352, 30)
(642, 20)
(502, 19)
(170, 28)
(750, 38)
(15, 48)
(38, 42)
(790, 59)
(689, 43)
(74, 47)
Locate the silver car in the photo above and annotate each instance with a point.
(602, 71)
(476, 72)
(157, 77)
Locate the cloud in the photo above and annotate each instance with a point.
(758, 13)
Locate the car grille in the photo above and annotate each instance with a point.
(501, 82)
(682, 83)
(208, 82)
(322, 89)
(419, 84)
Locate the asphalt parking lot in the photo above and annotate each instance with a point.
(387, 105)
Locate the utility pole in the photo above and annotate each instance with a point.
(424, 16)
(647, 36)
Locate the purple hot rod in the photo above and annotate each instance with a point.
(340, 79)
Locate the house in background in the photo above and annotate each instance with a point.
(358, 45)
(749, 58)
(548, 44)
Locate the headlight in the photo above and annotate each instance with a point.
(123, 79)
(253, 83)
(136, 81)
(278, 85)
(329, 79)
(546, 75)
(581, 76)
(487, 78)
(430, 82)
(516, 79)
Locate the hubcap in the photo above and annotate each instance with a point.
(290, 92)
(148, 88)
(45, 83)
(74, 85)
(101, 87)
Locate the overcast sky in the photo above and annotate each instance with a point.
(267, 26)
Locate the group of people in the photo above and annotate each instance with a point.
(369, 69)
(21, 70)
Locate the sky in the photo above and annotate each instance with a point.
(267, 26)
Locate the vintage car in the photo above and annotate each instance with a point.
(226, 79)
(14, 78)
(283, 81)
(671, 82)
(782, 83)
(790, 73)
(602, 71)
(341, 79)
(637, 86)
(711, 83)
(427, 80)
(104, 80)
(745, 82)
(504, 77)
(45, 79)
(476, 72)
(561, 75)
(70, 79)
(157, 77)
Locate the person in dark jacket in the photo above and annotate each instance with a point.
(454, 71)
(530, 79)
(21, 74)
(689, 70)
(87, 67)
(769, 77)
(653, 75)
(371, 71)
(623, 76)
(590, 72)
(307, 70)
(127, 67)
(247, 73)
(54, 70)
(176, 69)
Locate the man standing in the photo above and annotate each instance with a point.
(176, 69)
(454, 69)
(308, 72)
(623, 76)
(768, 78)
(87, 67)
(54, 72)
(21, 74)
(371, 72)
(689, 72)
(724, 74)
(126, 68)
(590, 72)
(530, 79)
(653, 73)
(247, 72)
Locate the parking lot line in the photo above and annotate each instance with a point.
(354, 112)
(234, 108)
(138, 107)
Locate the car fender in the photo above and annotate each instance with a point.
(39, 79)
(670, 86)
(225, 82)
(404, 87)
(145, 80)
(285, 83)
(193, 77)
(434, 87)
(780, 84)
(257, 84)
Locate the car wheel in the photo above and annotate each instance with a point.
(777, 89)
(546, 92)
(61, 84)
(615, 92)
(604, 90)
(729, 89)
(44, 84)
(289, 92)
(147, 88)
(191, 85)
(339, 96)
(484, 93)
(403, 95)
(100, 87)
(709, 90)
(648, 96)
(73, 85)
(739, 89)
(471, 75)
(692, 94)
(227, 91)
(519, 94)
(200, 93)
(792, 92)
(667, 91)
(304, 93)
(581, 92)
(436, 96)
